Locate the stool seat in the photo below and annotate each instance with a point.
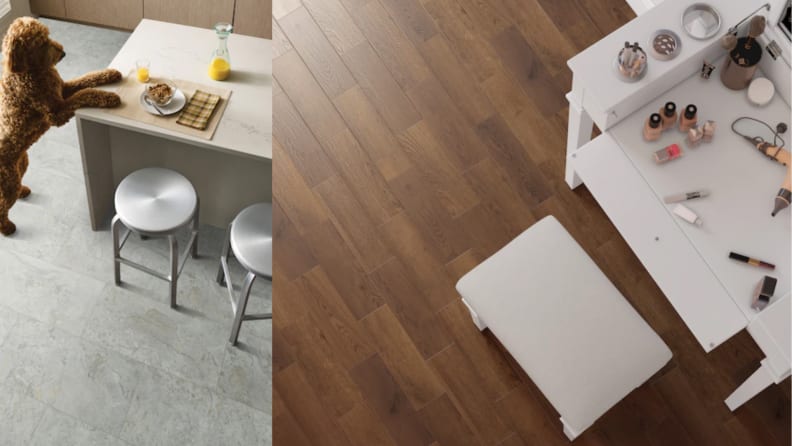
(155, 200)
(251, 238)
(563, 321)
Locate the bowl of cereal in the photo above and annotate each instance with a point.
(160, 91)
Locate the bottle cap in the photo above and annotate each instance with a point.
(690, 111)
(654, 120)
(669, 109)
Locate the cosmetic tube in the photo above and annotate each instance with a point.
(686, 214)
(764, 291)
(686, 196)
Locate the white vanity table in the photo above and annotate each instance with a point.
(690, 264)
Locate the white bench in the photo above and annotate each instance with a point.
(564, 322)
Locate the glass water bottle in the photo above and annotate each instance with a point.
(220, 66)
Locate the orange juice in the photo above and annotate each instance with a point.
(219, 69)
(143, 74)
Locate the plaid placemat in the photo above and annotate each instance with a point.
(198, 110)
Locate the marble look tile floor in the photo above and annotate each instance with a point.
(83, 362)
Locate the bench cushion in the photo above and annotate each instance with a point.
(564, 322)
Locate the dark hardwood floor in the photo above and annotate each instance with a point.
(413, 138)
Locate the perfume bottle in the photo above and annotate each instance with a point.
(669, 114)
(688, 118)
(220, 65)
(653, 127)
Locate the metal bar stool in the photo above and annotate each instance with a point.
(249, 239)
(156, 202)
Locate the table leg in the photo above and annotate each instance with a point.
(476, 319)
(578, 134)
(760, 380)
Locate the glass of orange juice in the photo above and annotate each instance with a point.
(142, 70)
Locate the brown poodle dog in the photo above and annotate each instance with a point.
(33, 97)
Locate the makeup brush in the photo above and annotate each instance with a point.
(728, 42)
(755, 29)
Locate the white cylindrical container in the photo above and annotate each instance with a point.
(686, 214)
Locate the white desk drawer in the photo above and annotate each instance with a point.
(653, 234)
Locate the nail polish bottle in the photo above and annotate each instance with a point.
(653, 127)
(688, 118)
(668, 153)
(669, 114)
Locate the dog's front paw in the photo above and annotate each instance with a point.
(110, 100)
(7, 228)
(24, 191)
(112, 75)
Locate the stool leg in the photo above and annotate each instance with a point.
(224, 256)
(174, 275)
(241, 305)
(195, 229)
(116, 229)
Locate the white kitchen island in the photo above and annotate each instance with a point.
(230, 171)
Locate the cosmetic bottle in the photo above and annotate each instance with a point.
(669, 114)
(708, 130)
(763, 293)
(653, 127)
(695, 136)
(668, 153)
(688, 118)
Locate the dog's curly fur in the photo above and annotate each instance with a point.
(33, 97)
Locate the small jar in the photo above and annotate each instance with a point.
(709, 130)
(689, 118)
(653, 127)
(669, 114)
(694, 136)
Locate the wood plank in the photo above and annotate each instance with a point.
(307, 96)
(423, 207)
(330, 382)
(313, 420)
(413, 309)
(380, 87)
(368, 185)
(439, 173)
(331, 317)
(412, 19)
(345, 274)
(302, 208)
(467, 96)
(317, 53)
(402, 358)
(497, 376)
(519, 58)
(353, 223)
(336, 24)
(294, 136)
(393, 47)
(368, 126)
(296, 259)
(446, 423)
(523, 413)
(280, 43)
(510, 154)
(363, 428)
(413, 250)
(390, 403)
(447, 124)
(465, 384)
(458, 26)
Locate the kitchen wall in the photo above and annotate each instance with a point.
(250, 17)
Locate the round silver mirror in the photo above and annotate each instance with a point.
(701, 21)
